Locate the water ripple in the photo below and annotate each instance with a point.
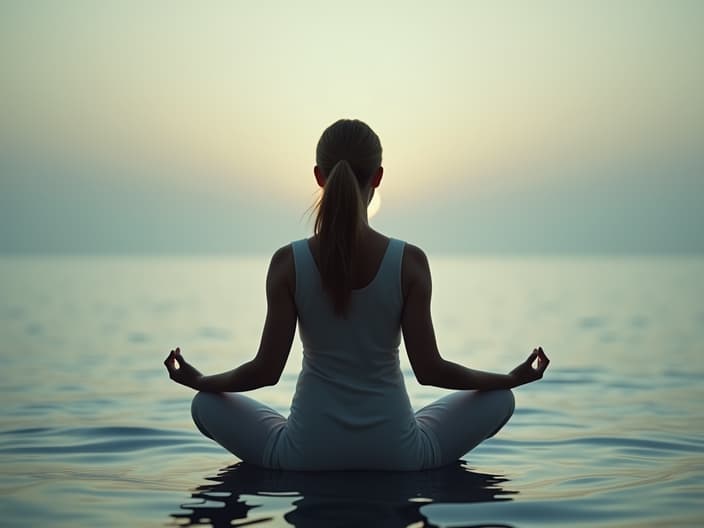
(77, 440)
(93, 433)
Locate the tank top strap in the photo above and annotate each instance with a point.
(306, 270)
(390, 269)
(301, 253)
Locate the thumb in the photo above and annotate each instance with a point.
(179, 357)
(532, 357)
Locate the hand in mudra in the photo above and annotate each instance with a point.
(525, 372)
(181, 371)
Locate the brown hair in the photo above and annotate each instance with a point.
(348, 153)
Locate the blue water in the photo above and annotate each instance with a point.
(92, 432)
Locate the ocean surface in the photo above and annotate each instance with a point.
(93, 433)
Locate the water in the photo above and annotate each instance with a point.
(92, 432)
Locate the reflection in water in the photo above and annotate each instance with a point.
(334, 498)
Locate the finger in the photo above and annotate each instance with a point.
(531, 357)
(172, 361)
(543, 357)
(543, 364)
(169, 366)
(171, 356)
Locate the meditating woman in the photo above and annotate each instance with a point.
(352, 291)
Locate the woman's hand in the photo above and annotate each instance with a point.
(182, 372)
(525, 373)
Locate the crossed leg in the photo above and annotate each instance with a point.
(240, 424)
(462, 420)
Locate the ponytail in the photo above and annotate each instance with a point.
(348, 153)
(337, 226)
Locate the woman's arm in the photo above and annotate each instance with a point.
(419, 336)
(277, 337)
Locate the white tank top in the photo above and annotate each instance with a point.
(350, 408)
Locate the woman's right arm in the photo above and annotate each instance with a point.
(419, 336)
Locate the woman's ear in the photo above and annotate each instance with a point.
(319, 177)
(376, 179)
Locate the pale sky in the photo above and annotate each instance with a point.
(509, 127)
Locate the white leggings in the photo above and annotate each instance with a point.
(458, 422)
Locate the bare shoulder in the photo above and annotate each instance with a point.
(414, 256)
(281, 268)
(415, 269)
(282, 256)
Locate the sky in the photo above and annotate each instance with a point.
(507, 127)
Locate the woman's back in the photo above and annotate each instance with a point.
(373, 318)
(350, 398)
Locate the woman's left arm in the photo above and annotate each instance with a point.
(277, 337)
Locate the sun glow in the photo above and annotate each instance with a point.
(203, 118)
(374, 205)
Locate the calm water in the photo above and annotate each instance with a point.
(92, 432)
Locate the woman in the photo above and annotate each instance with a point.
(352, 291)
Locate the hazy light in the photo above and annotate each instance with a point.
(374, 205)
(514, 125)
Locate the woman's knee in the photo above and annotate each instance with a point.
(507, 401)
(199, 405)
(502, 402)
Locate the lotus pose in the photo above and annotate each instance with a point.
(353, 292)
